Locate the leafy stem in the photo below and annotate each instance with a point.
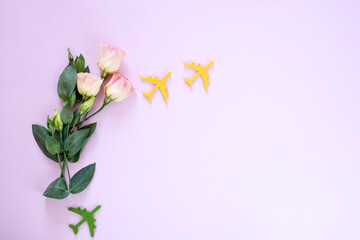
(59, 142)
(62, 167)
(67, 168)
(75, 123)
(82, 122)
(106, 102)
(58, 157)
(102, 107)
(67, 130)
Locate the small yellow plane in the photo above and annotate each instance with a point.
(202, 71)
(87, 217)
(159, 83)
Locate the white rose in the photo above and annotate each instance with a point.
(88, 85)
(110, 58)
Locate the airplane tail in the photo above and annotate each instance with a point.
(148, 95)
(74, 228)
(189, 81)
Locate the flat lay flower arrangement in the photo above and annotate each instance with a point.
(66, 133)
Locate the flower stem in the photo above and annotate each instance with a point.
(104, 74)
(63, 165)
(81, 122)
(75, 123)
(67, 167)
(58, 157)
(102, 107)
(62, 171)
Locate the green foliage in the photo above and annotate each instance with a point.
(75, 141)
(59, 125)
(67, 81)
(65, 132)
(40, 134)
(75, 158)
(79, 97)
(91, 128)
(70, 56)
(73, 98)
(80, 63)
(86, 69)
(64, 139)
(58, 138)
(57, 189)
(82, 179)
(87, 105)
(50, 125)
(64, 99)
(76, 116)
(52, 145)
(67, 114)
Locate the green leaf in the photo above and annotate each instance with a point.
(67, 81)
(70, 56)
(52, 145)
(91, 128)
(75, 141)
(86, 69)
(73, 98)
(82, 178)
(76, 116)
(80, 63)
(58, 138)
(65, 131)
(75, 158)
(40, 133)
(50, 125)
(57, 189)
(64, 99)
(79, 97)
(67, 114)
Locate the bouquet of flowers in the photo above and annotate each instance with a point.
(66, 133)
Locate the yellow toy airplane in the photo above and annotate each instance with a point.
(159, 83)
(202, 71)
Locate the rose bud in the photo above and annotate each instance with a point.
(57, 120)
(50, 125)
(86, 106)
(88, 85)
(109, 59)
(118, 88)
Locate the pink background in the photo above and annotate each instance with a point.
(271, 151)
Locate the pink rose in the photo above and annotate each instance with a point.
(88, 85)
(118, 88)
(109, 59)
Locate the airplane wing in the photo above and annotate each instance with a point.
(209, 64)
(78, 211)
(198, 67)
(149, 79)
(162, 84)
(192, 65)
